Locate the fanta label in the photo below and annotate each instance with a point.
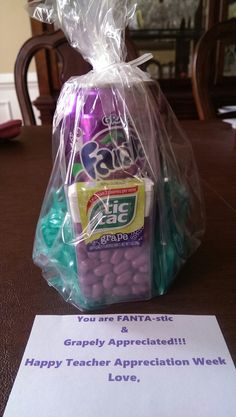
(110, 151)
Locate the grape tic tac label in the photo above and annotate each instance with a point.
(112, 213)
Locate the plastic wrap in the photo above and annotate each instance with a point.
(123, 208)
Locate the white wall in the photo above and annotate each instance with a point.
(9, 107)
(14, 31)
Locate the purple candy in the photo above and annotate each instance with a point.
(131, 253)
(140, 278)
(139, 289)
(124, 278)
(121, 291)
(144, 268)
(93, 255)
(97, 290)
(82, 254)
(117, 256)
(109, 280)
(103, 269)
(140, 261)
(86, 290)
(122, 267)
(88, 264)
(83, 267)
(105, 255)
(89, 278)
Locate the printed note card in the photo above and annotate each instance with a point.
(124, 366)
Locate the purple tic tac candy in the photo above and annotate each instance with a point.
(110, 199)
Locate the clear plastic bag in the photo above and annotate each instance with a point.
(123, 209)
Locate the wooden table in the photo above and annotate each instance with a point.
(206, 285)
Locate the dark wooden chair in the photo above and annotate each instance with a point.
(154, 67)
(68, 62)
(206, 76)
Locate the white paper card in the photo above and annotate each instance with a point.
(124, 366)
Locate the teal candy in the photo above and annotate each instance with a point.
(60, 255)
(52, 222)
(170, 255)
(54, 244)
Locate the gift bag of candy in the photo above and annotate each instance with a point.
(123, 209)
